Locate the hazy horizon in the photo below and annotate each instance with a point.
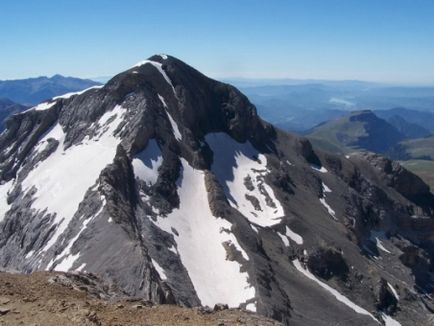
(387, 41)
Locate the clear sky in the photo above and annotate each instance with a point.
(376, 40)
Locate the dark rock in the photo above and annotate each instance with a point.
(220, 307)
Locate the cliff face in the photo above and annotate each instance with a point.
(168, 184)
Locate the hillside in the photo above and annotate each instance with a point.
(361, 130)
(424, 119)
(417, 149)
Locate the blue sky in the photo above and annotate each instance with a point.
(377, 40)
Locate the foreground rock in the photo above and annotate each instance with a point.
(53, 299)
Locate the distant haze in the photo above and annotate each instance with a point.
(381, 41)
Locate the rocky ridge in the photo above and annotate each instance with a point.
(168, 184)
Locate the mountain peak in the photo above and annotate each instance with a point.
(168, 184)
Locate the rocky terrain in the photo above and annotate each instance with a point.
(52, 299)
(169, 185)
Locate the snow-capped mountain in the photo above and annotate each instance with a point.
(168, 184)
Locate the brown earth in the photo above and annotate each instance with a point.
(45, 299)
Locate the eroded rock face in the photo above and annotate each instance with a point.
(327, 263)
(405, 182)
(168, 184)
(386, 300)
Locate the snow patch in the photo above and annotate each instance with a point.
(67, 259)
(336, 294)
(173, 249)
(44, 106)
(147, 163)
(376, 237)
(4, 190)
(251, 307)
(200, 243)
(254, 228)
(162, 100)
(327, 206)
(323, 201)
(159, 270)
(389, 321)
(173, 123)
(68, 95)
(63, 178)
(284, 239)
(319, 168)
(298, 239)
(81, 267)
(395, 293)
(159, 67)
(175, 128)
(241, 170)
(325, 188)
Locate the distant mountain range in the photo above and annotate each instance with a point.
(396, 136)
(357, 130)
(424, 119)
(365, 130)
(301, 105)
(35, 90)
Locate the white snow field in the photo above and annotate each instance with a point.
(63, 178)
(234, 164)
(200, 239)
(332, 291)
(147, 163)
(4, 190)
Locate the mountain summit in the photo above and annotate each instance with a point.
(168, 184)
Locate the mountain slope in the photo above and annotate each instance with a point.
(168, 184)
(34, 90)
(407, 129)
(416, 149)
(357, 130)
(421, 118)
(7, 107)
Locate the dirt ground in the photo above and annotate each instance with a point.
(35, 300)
